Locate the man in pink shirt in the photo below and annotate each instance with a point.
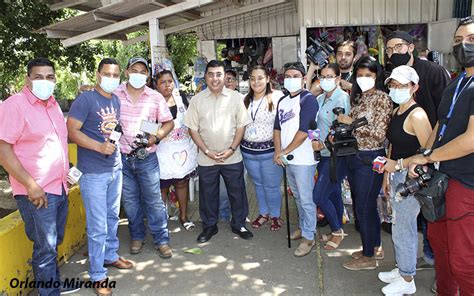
(141, 173)
(33, 150)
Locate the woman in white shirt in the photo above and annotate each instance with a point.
(177, 153)
(257, 148)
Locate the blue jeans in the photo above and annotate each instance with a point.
(327, 194)
(428, 255)
(266, 176)
(404, 227)
(365, 187)
(301, 181)
(101, 197)
(224, 204)
(141, 187)
(45, 227)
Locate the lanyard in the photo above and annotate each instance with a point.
(456, 95)
(254, 115)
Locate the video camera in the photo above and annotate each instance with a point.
(319, 50)
(139, 147)
(411, 186)
(344, 142)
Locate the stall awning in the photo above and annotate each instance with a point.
(114, 19)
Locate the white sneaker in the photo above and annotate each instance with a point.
(400, 287)
(389, 276)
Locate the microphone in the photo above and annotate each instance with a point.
(115, 135)
(314, 134)
(286, 158)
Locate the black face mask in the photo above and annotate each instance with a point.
(464, 54)
(400, 59)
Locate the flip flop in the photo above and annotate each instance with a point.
(188, 225)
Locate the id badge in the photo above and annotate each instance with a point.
(252, 133)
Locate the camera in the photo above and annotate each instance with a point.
(319, 50)
(344, 142)
(139, 147)
(411, 186)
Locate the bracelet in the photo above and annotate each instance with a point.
(230, 147)
(206, 152)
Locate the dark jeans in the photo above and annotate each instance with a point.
(365, 187)
(45, 227)
(327, 194)
(233, 175)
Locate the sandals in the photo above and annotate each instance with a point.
(276, 224)
(257, 223)
(188, 225)
(331, 245)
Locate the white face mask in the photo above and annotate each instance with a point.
(328, 84)
(137, 80)
(400, 96)
(292, 84)
(109, 84)
(365, 83)
(42, 89)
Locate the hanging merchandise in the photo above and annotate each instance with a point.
(199, 71)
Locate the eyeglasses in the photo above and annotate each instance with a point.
(326, 77)
(399, 86)
(396, 48)
(230, 79)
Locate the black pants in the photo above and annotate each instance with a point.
(233, 175)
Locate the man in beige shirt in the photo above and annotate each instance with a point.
(216, 119)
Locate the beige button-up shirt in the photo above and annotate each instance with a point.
(216, 120)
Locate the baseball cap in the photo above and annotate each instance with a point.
(135, 60)
(295, 66)
(401, 35)
(404, 74)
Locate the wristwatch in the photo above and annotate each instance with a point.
(427, 152)
(399, 165)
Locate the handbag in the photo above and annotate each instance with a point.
(432, 197)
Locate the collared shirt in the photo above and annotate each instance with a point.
(377, 108)
(38, 135)
(326, 117)
(150, 106)
(216, 120)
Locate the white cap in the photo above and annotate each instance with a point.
(404, 74)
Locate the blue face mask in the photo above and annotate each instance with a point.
(137, 80)
(400, 96)
(292, 84)
(109, 84)
(327, 84)
(42, 89)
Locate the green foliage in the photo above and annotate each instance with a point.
(183, 52)
(20, 42)
(122, 53)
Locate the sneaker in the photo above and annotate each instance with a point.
(400, 287)
(296, 235)
(136, 246)
(361, 263)
(164, 251)
(378, 254)
(421, 264)
(305, 247)
(389, 276)
(68, 290)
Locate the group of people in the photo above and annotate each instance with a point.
(219, 132)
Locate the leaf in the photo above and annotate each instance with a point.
(195, 251)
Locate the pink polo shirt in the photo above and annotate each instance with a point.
(150, 106)
(38, 135)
